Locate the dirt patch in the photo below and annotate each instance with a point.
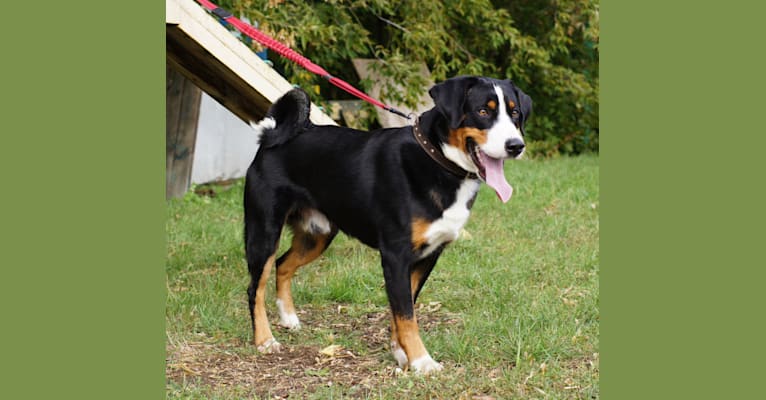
(299, 369)
(296, 369)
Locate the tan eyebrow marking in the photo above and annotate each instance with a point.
(492, 104)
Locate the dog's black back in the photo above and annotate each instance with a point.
(347, 175)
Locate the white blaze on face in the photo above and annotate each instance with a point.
(502, 130)
(492, 153)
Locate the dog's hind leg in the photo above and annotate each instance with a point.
(312, 234)
(262, 231)
(262, 336)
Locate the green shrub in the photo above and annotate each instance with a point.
(548, 47)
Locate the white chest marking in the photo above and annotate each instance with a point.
(447, 228)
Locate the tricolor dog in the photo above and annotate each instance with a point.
(404, 191)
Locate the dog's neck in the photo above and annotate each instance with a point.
(431, 133)
(433, 124)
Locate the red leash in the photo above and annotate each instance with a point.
(293, 56)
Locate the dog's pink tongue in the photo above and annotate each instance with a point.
(493, 168)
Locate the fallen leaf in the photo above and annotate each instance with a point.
(331, 350)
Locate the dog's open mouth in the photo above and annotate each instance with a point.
(490, 171)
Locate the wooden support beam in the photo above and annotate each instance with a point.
(182, 103)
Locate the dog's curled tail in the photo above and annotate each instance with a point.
(286, 118)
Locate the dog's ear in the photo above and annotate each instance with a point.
(449, 97)
(525, 105)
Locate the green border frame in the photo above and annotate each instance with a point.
(681, 214)
(82, 288)
(82, 155)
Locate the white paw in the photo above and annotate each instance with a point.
(425, 365)
(270, 346)
(398, 352)
(287, 320)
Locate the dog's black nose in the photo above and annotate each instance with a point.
(514, 146)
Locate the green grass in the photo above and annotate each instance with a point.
(522, 290)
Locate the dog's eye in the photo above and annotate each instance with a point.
(483, 112)
(515, 114)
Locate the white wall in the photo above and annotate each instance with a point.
(225, 145)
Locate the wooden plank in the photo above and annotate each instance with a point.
(181, 117)
(216, 61)
(214, 78)
(387, 119)
(172, 12)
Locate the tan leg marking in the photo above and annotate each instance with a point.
(419, 229)
(415, 281)
(396, 349)
(263, 337)
(409, 337)
(299, 255)
(406, 345)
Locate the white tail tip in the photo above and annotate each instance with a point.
(266, 123)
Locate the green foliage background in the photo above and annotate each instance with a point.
(548, 47)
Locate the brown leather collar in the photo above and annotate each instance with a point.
(437, 155)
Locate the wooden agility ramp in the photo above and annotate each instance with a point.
(199, 49)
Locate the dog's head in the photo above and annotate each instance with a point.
(486, 120)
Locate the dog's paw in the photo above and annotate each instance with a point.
(287, 320)
(425, 365)
(399, 355)
(270, 346)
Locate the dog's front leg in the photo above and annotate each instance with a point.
(405, 334)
